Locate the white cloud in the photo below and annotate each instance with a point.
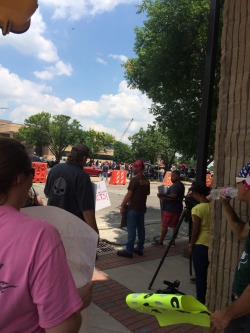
(119, 57)
(50, 72)
(111, 113)
(101, 61)
(74, 10)
(34, 43)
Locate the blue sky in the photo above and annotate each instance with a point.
(69, 62)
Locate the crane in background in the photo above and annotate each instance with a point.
(126, 129)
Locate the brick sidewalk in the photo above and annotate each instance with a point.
(113, 303)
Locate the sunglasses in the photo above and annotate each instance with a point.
(30, 171)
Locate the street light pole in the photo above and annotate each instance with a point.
(207, 97)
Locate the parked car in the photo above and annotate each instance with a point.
(95, 171)
(36, 158)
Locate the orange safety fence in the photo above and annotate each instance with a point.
(167, 179)
(40, 172)
(118, 177)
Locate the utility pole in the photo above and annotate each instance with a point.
(207, 97)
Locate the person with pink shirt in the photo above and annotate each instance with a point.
(37, 291)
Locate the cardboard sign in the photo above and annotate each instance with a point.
(80, 243)
(101, 195)
(171, 309)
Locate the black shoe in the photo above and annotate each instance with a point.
(124, 253)
(140, 253)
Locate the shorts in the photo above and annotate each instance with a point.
(170, 219)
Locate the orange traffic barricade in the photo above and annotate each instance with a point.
(167, 179)
(118, 177)
(40, 172)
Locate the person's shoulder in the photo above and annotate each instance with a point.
(57, 168)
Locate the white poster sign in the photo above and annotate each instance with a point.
(101, 195)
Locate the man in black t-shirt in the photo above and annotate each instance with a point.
(69, 187)
(172, 206)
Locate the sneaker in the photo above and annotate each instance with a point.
(124, 253)
(140, 253)
(156, 243)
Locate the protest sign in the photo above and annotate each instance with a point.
(101, 195)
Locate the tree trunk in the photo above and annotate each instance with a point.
(232, 147)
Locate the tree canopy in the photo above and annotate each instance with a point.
(123, 152)
(56, 132)
(170, 65)
(152, 145)
(97, 141)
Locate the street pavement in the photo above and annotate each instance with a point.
(109, 219)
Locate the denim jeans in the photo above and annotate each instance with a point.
(105, 175)
(200, 262)
(135, 223)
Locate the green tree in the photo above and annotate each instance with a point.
(97, 141)
(169, 68)
(123, 152)
(56, 132)
(151, 145)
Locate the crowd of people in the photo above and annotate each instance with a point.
(38, 293)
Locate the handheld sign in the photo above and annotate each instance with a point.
(171, 309)
(101, 195)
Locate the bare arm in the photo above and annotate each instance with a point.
(89, 218)
(70, 325)
(171, 196)
(241, 307)
(39, 200)
(238, 227)
(85, 293)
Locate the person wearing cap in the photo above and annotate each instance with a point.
(135, 204)
(236, 317)
(69, 187)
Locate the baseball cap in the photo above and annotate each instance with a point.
(138, 164)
